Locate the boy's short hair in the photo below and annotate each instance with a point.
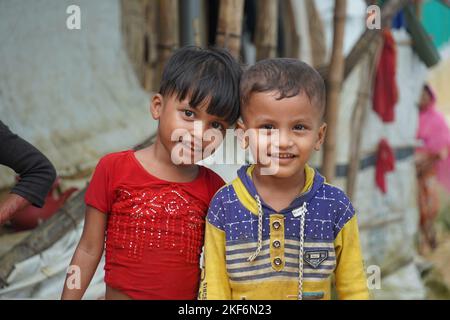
(288, 77)
(204, 75)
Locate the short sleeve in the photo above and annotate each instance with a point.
(215, 183)
(98, 193)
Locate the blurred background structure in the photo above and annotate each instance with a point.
(79, 94)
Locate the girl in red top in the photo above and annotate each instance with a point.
(151, 204)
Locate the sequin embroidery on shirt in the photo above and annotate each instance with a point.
(155, 217)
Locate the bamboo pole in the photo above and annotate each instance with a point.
(151, 83)
(359, 114)
(334, 82)
(229, 27)
(169, 38)
(360, 48)
(291, 37)
(266, 29)
(316, 34)
(132, 27)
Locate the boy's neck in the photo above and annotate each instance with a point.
(278, 192)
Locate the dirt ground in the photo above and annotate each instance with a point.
(441, 257)
(438, 277)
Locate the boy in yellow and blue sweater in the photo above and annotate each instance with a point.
(280, 209)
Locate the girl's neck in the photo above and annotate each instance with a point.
(160, 164)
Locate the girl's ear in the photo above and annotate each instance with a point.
(240, 133)
(156, 106)
(321, 136)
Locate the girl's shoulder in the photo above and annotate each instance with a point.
(212, 180)
(114, 158)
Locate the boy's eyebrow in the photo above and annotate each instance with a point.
(273, 119)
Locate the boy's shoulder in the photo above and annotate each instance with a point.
(334, 202)
(219, 207)
(338, 195)
(223, 193)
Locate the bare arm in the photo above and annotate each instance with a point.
(12, 204)
(87, 255)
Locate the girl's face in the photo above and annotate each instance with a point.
(188, 134)
(285, 132)
(425, 99)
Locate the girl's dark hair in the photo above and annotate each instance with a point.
(288, 77)
(204, 76)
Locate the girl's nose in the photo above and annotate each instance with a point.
(197, 132)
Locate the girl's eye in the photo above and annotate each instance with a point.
(217, 125)
(188, 113)
(268, 127)
(299, 127)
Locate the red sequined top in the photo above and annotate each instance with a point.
(155, 228)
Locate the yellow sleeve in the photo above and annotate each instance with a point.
(214, 284)
(351, 282)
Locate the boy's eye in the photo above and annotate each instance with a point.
(267, 126)
(217, 125)
(299, 127)
(188, 113)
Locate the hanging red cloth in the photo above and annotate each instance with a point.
(385, 163)
(385, 94)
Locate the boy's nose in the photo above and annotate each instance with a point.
(282, 139)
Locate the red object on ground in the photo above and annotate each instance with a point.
(385, 94)
(384, 164)
(30, 217)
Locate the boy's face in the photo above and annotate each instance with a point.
(188, 134)
(288, 130)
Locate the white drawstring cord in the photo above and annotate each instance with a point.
(303, 210)
(300, 211)
(260, 216)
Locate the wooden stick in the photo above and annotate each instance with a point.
(266, 29)
(334, 81)
(151, 79)
(133, 31)
(360, 48)
(229, 28)
(378, 223)
(291, 45)
(359, 114)
(169, 38)
(316, 34)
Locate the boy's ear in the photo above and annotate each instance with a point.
(156, 106)
(240, 133)
(321, 136)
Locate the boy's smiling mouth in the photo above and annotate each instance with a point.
(283, 155)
